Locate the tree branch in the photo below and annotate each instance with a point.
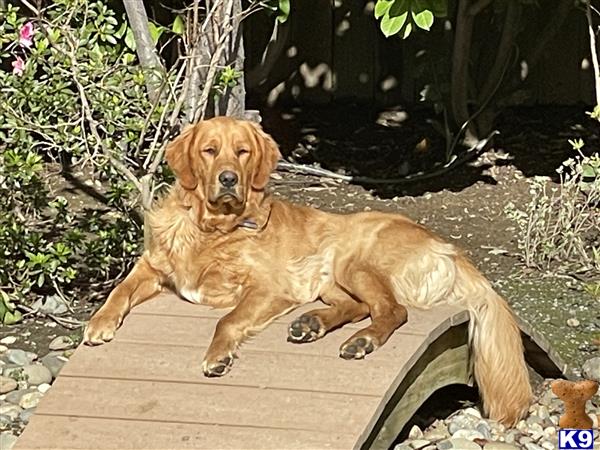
(149, 60)
(594, 51)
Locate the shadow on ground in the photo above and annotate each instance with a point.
(363, 141)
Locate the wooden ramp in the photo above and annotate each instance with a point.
(145, 390)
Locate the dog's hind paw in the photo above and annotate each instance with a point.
(306, 328)
(217, 368)
(357, 347)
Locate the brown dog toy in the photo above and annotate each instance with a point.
(575, 395)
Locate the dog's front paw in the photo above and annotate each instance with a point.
(306, 328)
(357, 347)
(101, 329)
(217, 367)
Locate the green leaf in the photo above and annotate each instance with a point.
(178, 26)
(407, 30)
(423, 19)
(589, 171)
(130, 40)
(391, 25)
(121, 31)
(382, 7)
(11, 318)
(111, 39)
(284, 10)
(156, 32)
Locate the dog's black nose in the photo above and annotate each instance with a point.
(228, 178)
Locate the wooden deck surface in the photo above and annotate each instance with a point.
(146, 390)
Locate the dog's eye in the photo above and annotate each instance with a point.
(243, 151)
(209, 151)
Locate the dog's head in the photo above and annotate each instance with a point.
(224, 162)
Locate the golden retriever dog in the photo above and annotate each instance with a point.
(219, 239)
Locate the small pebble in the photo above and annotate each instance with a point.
(7, 441)
(61, 343)
(37, 374)
(591, 369)
(458, 444)
(415, 433)
(30, 400)
(499, 446)
(26, 415)
(573, 322)
(43, 388)
(11, 411)
(8, 340)
(418, 444)
(17, 356)
(7, 384)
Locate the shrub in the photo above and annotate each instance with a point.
(560, 227)
(74, 99)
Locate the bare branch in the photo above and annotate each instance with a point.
(149, 60)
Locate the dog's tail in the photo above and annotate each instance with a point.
(499, 363)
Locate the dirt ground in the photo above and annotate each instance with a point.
(465, 206)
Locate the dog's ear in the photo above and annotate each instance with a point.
(266, 157)
(177, 155)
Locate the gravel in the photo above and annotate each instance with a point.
(24, 380)
(467, 430)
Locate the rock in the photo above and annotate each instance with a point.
(61, 343)
(54, 363)
(591, 369)
(8, 340)
(53, 304)
(418, 444)
(548, 446)
(499, 446)
(30, 400)
(536, 431)
(17, 356)
(550, 432)
(11, 411)
(5, 422)
(461, 422)
(7, 441)
(3, 349)
(458, 444)
(531, 446)
(7, 384)
(521, 426)
(484, 428)
(43, 388)
(37, 374)
(573, 322)
(473, 412)
(511, 436)
(403, 446)
(415, 433)
(523, 440)
(12, 371)
(467, 434)
(14, 397)
(26, 415)
(543, 413)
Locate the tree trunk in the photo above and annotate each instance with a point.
(149, 60)
(459, 88)
(232, 101)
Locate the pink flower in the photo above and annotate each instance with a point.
(26, 35)
(18, 66)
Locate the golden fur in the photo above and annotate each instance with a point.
(235, 246)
